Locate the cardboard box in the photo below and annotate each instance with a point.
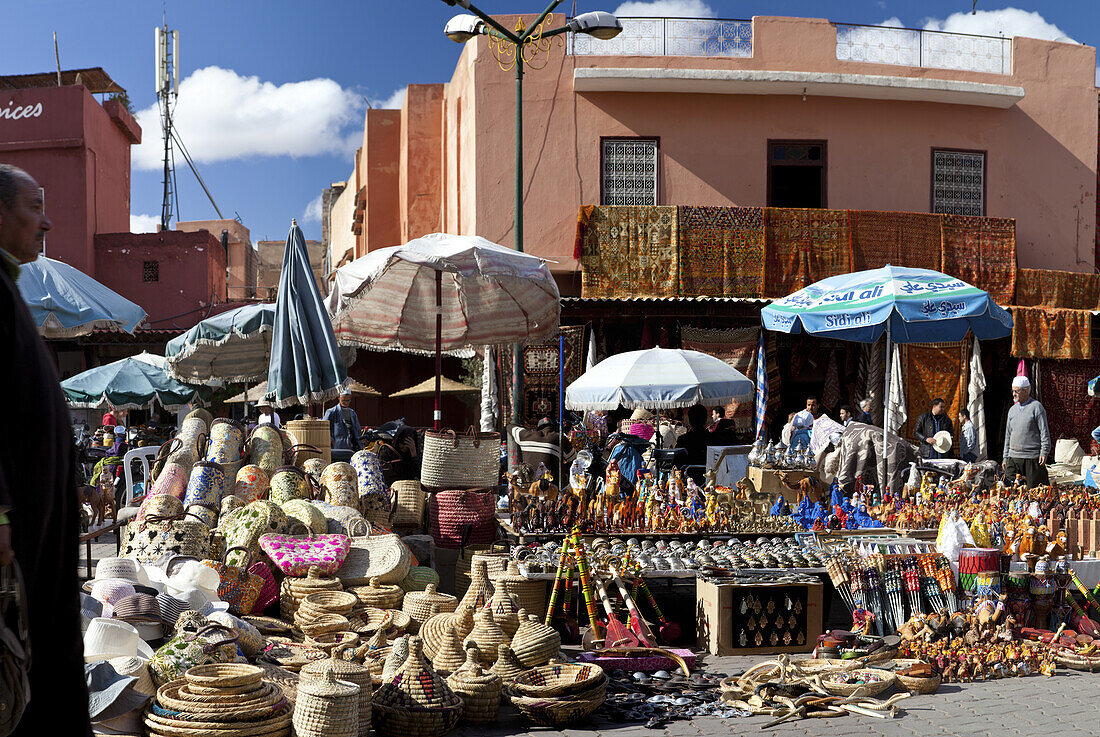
(766, 481)
(718, 624)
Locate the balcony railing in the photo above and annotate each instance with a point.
(732, 38)
(671, 37)
(931, 49)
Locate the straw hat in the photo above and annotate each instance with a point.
(124, 568)
(110, 591)
(139, 669)
(941, 441)
(89, 609)
(641, 414)
(110, 638)
(142, 611)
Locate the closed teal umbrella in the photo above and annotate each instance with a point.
(306, 365)
(132, 383)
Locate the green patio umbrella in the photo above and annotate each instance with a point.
(131, 383)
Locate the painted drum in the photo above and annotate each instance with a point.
(251, 483)
(226, 441)
(980, 560)
(288, 482)
(988, 585)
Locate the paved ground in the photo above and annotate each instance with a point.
(1059, 706)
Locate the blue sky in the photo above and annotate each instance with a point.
(273, 92)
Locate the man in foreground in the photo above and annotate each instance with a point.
(38, 524)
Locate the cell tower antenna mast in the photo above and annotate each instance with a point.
(167, 45)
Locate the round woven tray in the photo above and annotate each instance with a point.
(396, 722)
(565, 679)
(557, 712)
(222, 675)
(275, 725)
(837, 688)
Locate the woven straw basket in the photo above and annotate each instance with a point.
(327, 707)
(383, 557)
(409, 503)
(535, 643)
(346, 670)
(315, 433)
(379, 595)
(496, 557)
(837, 688)
(453, 461)
(480, 692)
(417, 702)
(529, 595)
(488, 636)
(418, 604)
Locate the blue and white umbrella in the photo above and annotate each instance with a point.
(908, 305)
(913, 305)
(65, 302)
(306, 365)
(658, 379)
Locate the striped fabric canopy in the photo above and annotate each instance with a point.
(491, 295)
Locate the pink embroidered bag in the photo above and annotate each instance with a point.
(295, 555)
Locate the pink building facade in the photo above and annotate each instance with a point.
(773, 111)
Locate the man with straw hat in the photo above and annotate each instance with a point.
(38, 509)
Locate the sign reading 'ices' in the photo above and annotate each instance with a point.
(11, 111)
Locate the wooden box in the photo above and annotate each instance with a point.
(720, 622)
(766, 481)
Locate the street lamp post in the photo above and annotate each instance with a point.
(516, 49)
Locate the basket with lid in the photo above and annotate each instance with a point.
(418, 604)
(480, 693)
(326, 707)
(379, 595)
(416, 701)
(345, 670)
(529, 594)
(535, 643)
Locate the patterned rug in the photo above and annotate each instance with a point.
(1068, 289)
(910, 239)
(803, 246)
(931, 371)
(738, 348)
(721, 251)
(1071, 413)
(630, 251)
(540, 372)
(1042, 332)
(982, 251)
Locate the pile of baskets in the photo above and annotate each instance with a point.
(294, 590)
(415, 701)
(557, 695)
(226, 699)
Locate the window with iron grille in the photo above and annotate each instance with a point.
(958, 182)
(629, 175)
(150, 271)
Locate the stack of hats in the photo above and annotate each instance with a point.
(117, 694)
(111, 638)
(143, 612)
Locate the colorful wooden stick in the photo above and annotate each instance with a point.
(586, 583)
(557, 580)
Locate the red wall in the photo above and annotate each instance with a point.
(79, 152)
(192, 273)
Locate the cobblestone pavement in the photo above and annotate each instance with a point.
(1035, 705)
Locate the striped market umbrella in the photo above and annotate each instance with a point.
(443, 294)
(305, 364)
(761, 389)
(65, 302)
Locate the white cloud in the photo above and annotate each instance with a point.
(393, 102)
(313, 211)
(894, 22)
(221, 116)
(144, 223)
(1006, 21)
(665, 9)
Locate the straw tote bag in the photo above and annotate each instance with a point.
(464, 517)
(239, 586)
(467, 461)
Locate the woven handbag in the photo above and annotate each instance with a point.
(239, 587)
(180, 534)
(296, 555)
(214, 643)
(459, 518)
(269, 591)
(453, 461)
(408, 503)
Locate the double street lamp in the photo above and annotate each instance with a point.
(516, 49)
